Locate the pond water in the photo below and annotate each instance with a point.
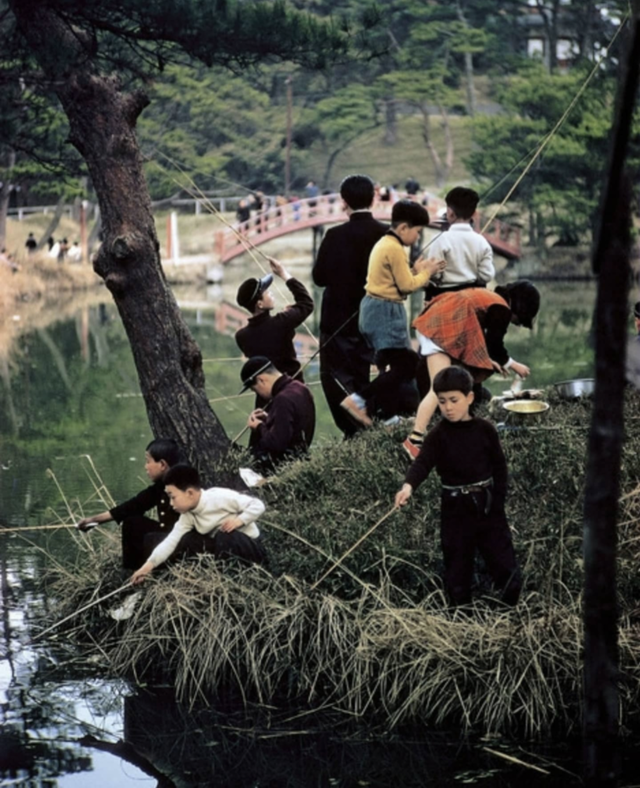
(70, 408)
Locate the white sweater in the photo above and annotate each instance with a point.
(468, 256)
(214, 507)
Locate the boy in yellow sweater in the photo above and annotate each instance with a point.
(383, 319)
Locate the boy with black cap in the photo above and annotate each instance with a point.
(272, 335)
(284, 429)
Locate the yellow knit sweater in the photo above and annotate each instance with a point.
(389, 276)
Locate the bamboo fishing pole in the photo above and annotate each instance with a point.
(21, 528)
(128, 584)
(354, 546)
(249, 246)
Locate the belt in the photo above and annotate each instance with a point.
(465, 489)
(380, 298)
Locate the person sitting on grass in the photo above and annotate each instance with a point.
(160, 455)
(217, 520)
(467, 455)
(284, 429)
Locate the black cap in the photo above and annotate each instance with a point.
(636, 309)
(250, 291)
(251, 369)
(524, 300)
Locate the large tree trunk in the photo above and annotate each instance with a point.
(102, 120)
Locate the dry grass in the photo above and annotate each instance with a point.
(376, 640)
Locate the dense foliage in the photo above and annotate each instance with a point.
(219, 105)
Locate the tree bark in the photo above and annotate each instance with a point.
(611, 261)
(102, 118)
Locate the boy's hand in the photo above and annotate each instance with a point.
(520, 369)
(139, 575)
(403, 495)
(87, 523)
(230, 524)
(278, 269)
(256, 417)
(431, 264)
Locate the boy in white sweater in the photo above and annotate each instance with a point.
(218, 520)
(467, 253)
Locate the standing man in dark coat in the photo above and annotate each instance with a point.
(341, 268)
(284, 429)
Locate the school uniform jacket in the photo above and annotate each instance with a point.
(272, 335)
(151, 497)
(290, 424)
(341, 268)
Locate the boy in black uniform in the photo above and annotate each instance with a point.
(466, 453)
(160, 455)
(272, 335)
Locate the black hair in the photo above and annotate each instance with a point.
(523, 298)
(453, 378)
(183, 477)
(462, 201)
(165, 449)
(409, 212)
(357, 191)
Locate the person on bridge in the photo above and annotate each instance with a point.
(341, 268)
(467, 327)
(284, 429)
(468, 254)
(273, 335)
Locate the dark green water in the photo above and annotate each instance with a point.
(69, 402)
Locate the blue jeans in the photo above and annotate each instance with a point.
(384, 324)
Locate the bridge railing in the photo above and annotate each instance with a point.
(281, 219)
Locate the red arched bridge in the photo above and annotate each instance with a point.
(298, 215)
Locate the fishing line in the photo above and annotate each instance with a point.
(557, 126)
(249, 246)
(128, 584)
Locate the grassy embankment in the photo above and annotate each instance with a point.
(375, 638)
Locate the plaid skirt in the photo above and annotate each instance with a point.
(455, 322)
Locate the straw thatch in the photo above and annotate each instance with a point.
(375, 638)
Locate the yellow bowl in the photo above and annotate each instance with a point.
(525, 411)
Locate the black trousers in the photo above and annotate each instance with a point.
(221, 545)
(134, 532)
(467, 530)
(345, 364)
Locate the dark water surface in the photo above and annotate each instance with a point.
(72, 434)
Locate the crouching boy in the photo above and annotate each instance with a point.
(468, 457)
(218, 521)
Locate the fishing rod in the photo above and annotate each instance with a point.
(354, 546)
(21, 528)
(128, 584)
(304, 366)
(249, 246)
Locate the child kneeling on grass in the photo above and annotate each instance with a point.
(218, 521)
(467, 455)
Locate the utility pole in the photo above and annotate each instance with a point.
(287, 160)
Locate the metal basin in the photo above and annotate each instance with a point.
(574, 389)
(525, 411)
